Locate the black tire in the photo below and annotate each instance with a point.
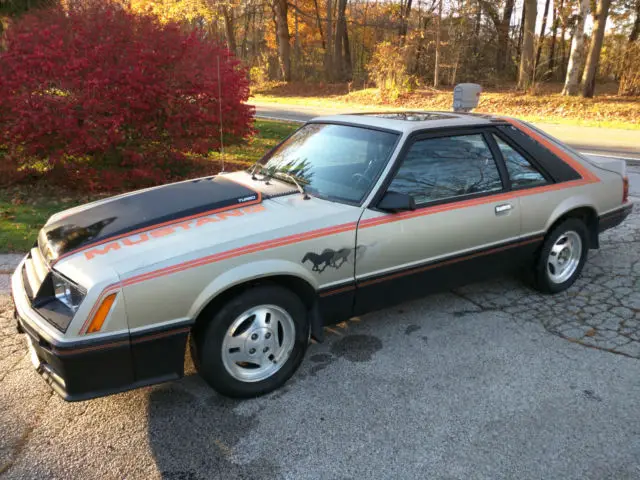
(542, 280)
(208, 342)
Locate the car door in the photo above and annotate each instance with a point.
(466, 223)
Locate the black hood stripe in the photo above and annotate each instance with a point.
(144, 211)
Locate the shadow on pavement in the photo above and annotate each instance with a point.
(198, 443)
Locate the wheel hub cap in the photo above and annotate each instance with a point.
(258, 342)
(564, 257)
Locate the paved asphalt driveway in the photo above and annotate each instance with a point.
(476, 383)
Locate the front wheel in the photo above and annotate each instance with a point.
(562, 256)
(254, 343)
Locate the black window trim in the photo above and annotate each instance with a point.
(541, 156)
(499, 159)
(528, 157)
(426, 135)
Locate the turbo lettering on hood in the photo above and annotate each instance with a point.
(164, 231)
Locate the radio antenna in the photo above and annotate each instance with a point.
(220, 113)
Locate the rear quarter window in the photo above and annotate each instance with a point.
(521, 172)
(545, 159)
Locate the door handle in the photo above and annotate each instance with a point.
(503, 209)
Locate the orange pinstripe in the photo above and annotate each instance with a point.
(587, 177)
(447, 262)
(169, 223)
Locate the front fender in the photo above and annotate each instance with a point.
(246, 273)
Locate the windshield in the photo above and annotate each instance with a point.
(337, 162)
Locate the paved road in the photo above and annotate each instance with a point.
(608, 142)
(488, 381)
(634, 180)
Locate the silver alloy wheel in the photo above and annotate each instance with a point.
(258, 343)
(564, 257)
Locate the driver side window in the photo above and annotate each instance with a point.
(446, 168)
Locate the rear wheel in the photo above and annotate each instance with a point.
(254, 343)
(562, 257)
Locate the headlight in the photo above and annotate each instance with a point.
(66, 292)
(58, 300)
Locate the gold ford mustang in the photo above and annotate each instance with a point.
(350, 214)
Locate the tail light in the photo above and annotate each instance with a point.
(625, 189)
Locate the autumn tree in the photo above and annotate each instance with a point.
(280, 16)
(99, 97)
(589, 76)
(543, 27)
(525, 75)
(470, 40)
(501, 24)
(630, 80)
(554, 33)
(571, 83)
(436, 69)
(15, 8)
(229, 23)
(340, 44)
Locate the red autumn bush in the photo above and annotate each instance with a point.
(97, 97)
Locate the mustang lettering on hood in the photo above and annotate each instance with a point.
(142, 211)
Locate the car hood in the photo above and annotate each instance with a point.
(124, 215)
(277, 212)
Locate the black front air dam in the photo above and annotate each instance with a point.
(92, 369)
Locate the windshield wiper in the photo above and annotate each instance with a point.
(305, 195)
(268, 174)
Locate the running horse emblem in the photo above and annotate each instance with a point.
(328, 258)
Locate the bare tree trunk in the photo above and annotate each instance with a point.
(563, 43)
(245, 35)
(521, 32)
(328, 53)
(525, 74)
(541, 39)
(503, 36)
(341, 26)
(280, 11)
(348, 69)
(554, 33)
(591, 68)
(628, 54)
(475, 41)
(436, 70)
(296, 39)
(575, 57)
(635, 31)
(361, 59)
(319, 23)
(404, 21)
(230, 28)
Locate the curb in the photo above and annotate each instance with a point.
(9, 262)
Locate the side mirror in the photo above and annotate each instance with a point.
(396, 202)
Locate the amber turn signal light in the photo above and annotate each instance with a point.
(100, 316)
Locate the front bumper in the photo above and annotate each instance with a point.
(90, 368)
(83, 372)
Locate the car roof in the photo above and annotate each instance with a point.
(409, 121)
